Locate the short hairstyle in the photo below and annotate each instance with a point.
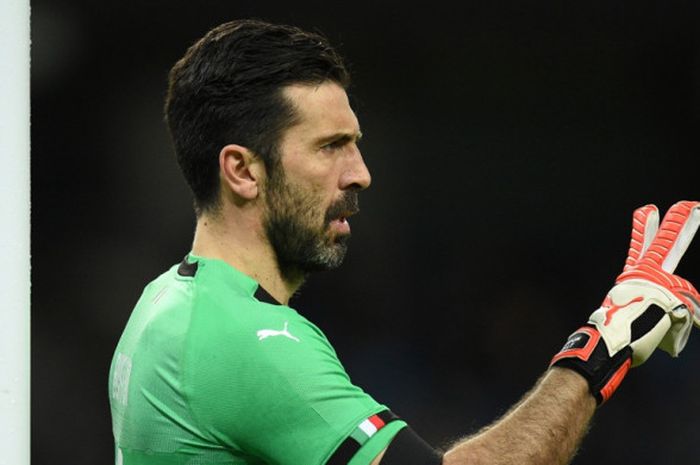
(228, 88)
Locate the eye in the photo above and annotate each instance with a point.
(335, 145)
(340, 143)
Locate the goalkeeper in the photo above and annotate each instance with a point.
(215, 367)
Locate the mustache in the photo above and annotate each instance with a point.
(347, 205)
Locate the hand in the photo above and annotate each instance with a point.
(651, 261)
(648, 307)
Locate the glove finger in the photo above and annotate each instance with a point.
(674, 236)
(644, 343)
(645, 223)
(677, 336)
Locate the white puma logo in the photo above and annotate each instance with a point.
(263, 333)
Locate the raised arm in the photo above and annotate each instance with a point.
(648, 307)
(545, 427)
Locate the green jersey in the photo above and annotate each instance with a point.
(211, 369)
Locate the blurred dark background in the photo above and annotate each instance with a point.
(509, 142)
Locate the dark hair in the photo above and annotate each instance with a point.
(228, 88)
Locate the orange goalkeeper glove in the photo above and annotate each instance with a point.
(648, 307)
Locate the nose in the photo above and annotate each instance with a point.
(356, 174)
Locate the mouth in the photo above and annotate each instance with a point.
(340, 224)
(340, 211)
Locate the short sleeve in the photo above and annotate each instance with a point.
(269, 386)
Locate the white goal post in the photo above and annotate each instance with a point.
(14, 232)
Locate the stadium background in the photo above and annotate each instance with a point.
(509, 143)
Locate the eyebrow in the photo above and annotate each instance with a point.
(343, 137)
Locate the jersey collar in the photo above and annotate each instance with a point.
(190, 265)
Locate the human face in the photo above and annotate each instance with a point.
(313, 191)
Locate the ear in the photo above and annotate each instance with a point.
(240, 170)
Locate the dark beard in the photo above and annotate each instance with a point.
(302, 245)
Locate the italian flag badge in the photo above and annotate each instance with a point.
(359, 436)
(367, 428)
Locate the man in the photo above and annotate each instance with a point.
(214, 367)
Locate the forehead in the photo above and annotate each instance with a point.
(321, 110)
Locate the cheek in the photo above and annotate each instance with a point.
(307, 203)
(320, 173)
(318, 205)
(311, 191)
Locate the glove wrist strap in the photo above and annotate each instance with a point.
(585, 352)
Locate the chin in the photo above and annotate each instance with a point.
(328, 259)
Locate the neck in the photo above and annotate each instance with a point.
(241, 242)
